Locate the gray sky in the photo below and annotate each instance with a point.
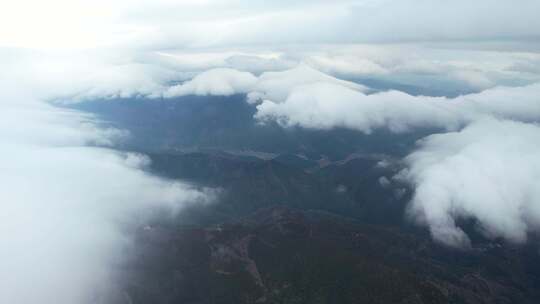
(167, 23)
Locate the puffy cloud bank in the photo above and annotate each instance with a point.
(325, 106)
(489, 171)
(279, 85)
(66, 200)
(275, 85)
(221, 81)
(271, 75)
(485, 169)
(306, 97)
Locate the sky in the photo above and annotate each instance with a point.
(169, 23)
(65, 188)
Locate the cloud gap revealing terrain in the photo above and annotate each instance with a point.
(227, 151)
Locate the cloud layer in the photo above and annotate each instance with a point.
(222, 82)
(166, 24)
(66, 199)
(326, 106)
(306, 97)
(125, 74)
(489, 172)
(275, 85)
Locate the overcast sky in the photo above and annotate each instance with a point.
(168, 23)
(296, 62)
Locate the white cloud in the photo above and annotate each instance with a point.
(278, 85)
(347, 65)
(222, 81)
(326, 106)
(259, 64)
(78, 76)
(463, 69)
(489, 171)
(249, 60)
(105, 74)
(65, 208)
(66, 203)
